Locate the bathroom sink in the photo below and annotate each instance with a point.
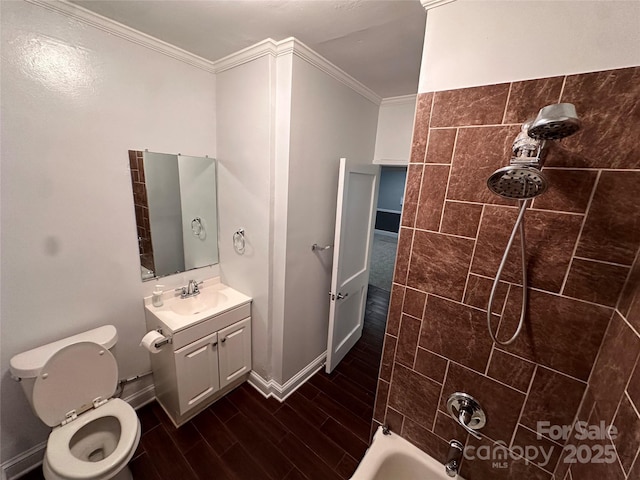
(177, 313)
(194, 305)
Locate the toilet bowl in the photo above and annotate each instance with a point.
(69, 385)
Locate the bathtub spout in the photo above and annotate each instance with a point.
(453, 458)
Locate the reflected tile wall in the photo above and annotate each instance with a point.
(578, 355)
(141, 204)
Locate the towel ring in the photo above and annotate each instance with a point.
(197, 228)
(238, 241)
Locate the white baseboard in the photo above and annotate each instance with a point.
(271, 388)
(32, 458)
(23, 463)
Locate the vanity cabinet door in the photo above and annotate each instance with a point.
(234, 351)
(197, 371)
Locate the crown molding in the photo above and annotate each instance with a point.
(296, 47)
(117, 29)
(266, 47)
(400, 100)
(260, 49)
(431, 4)
(293, 46)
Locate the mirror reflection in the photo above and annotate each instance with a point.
(176, 212)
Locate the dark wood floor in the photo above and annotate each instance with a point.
(319, 433)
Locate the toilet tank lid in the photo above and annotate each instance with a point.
(28, 364)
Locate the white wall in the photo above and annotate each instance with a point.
(391, 189)
(328, 120)
(469, 43)
(244, 112)
(75, 99)
(395, 127)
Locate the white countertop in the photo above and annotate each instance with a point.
(177, 313)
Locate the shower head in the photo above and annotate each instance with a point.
(522, 179)
(555, 122)
(517, 182)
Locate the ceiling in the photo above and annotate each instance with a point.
(378, 42)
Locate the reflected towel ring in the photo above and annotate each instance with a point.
(196, 227)
(238, 241)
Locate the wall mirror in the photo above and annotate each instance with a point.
(176, 212)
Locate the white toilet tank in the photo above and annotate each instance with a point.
(27, 365)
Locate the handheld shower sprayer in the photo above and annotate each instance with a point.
(523, 180)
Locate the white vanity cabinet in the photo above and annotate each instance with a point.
(205, 360)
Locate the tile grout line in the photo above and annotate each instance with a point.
(551, 369)
(453, 362)
(415, 354)
(624, 319)
(486, 370)
(473, 254)
(591, 169)
(415, 215)
(633, 405)
(626, 281)
(584, 395)
(444, 381)
(443, 233)
(633, 463)
(501, 316)
(564, 82)
(426, 147)
(546, 167)
(484, 125)
(624, 473)
(547, 292)
(449, 174)
(584, 221)
(543, 436)
(603, 262)
(506, 105)
(524, 404)
(500, 205)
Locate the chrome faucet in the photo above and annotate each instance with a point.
(190, 290)
(453, 458)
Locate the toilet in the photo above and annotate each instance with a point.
(70, 384)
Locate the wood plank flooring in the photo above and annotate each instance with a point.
(319, 433)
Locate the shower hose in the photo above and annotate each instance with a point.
(519, 226)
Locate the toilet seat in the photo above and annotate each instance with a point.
(72, 390)
(64, 464)
(73, 379)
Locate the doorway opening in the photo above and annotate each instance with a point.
(387, 227)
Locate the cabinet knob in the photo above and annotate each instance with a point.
(224, 339)
(215, 344)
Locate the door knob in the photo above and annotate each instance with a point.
(341, 296)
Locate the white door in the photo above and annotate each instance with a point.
(355, 220)
(235, 351)
(197, 371)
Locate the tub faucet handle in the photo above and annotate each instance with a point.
(467, 412)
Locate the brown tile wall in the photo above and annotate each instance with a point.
(136, 165)
(583, 238)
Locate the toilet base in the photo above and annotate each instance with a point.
(124, 474)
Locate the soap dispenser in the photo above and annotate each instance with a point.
(156, 296)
